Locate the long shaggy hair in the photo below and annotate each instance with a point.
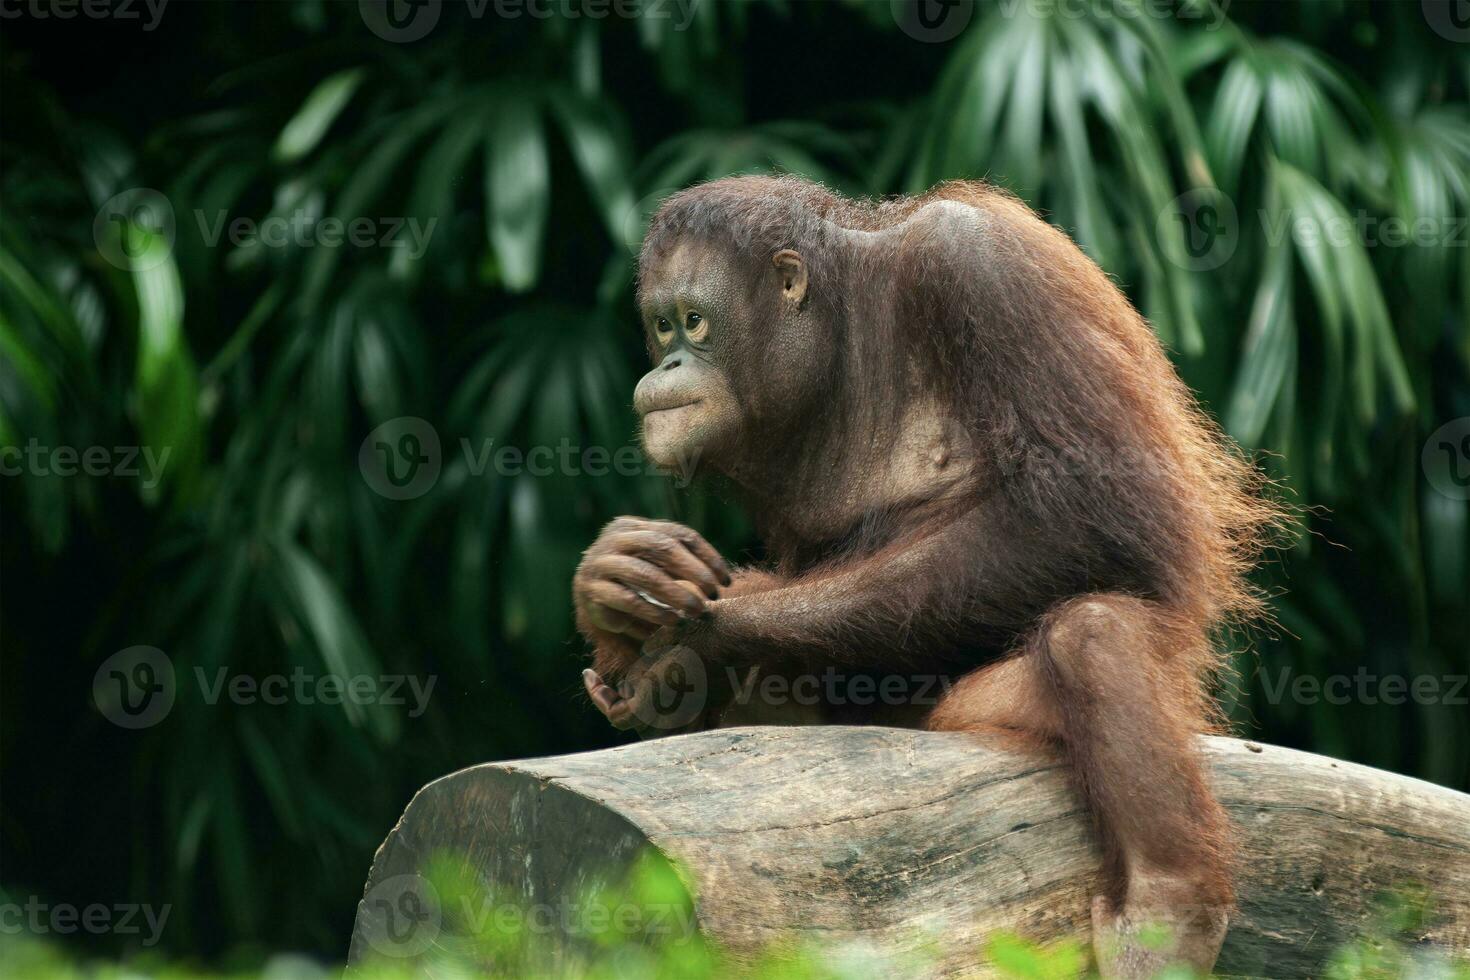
(1072, 410)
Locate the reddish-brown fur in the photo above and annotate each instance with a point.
(1093, 532)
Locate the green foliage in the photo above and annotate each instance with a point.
(528, 156)
(1392, 946)
(1015, 958)
(644, 926)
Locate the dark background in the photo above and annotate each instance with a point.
(539, 145)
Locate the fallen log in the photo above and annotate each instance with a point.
(893, 838)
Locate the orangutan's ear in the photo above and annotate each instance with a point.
(791, 271)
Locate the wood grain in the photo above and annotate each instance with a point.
(896, 838)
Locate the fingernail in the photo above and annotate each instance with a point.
(588, 674)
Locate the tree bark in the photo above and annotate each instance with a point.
(887, 836)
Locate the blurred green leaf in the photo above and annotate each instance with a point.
(316, 115)
(518, 187)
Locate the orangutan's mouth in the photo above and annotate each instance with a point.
(672, 408)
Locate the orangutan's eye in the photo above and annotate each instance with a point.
(664, 329)
(695, 327)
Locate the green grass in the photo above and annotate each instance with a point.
(644, 926)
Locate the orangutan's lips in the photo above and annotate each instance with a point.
(672, 408)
